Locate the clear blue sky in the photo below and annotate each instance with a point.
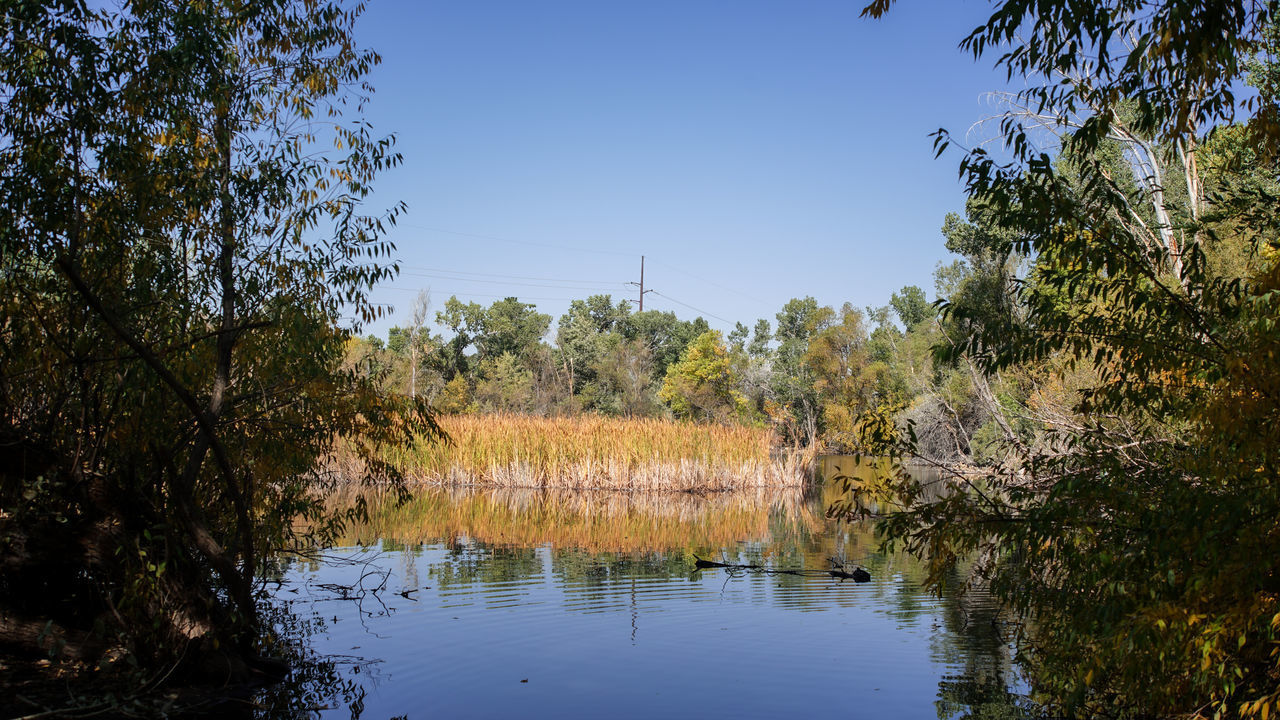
(754, 151)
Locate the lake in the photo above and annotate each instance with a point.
(483, 604)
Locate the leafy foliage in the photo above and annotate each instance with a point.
(1132, 523)
(837, 358)
(703, 385)
(178, 249)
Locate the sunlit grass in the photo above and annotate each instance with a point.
(593, 452)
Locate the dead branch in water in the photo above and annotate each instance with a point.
(837, 571)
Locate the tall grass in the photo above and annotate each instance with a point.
(593, 452)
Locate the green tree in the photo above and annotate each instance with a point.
(958, 413)
(506, 387)
(480, 335)
(465, 323)
(738, 337)
(179, 244)
(703, 384)
(756, 359)
(795, 408)
(582, 336)
(837, 359)
(456, 397)
(1139, 542)
(761, 336)
(624, 374)
(911, 306)
(511, 327)
(980, 289)
(665, 335)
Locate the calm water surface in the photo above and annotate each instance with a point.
(486, 604)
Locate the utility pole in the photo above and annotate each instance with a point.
(641, 284)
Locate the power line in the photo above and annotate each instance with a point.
(519, 242)
(699, 278)
(618, 287)
(710, 282)
(640, 284)
(704, 312)
(608, 285)
(502, 275)
(467, 294)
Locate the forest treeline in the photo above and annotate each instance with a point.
(810, 374)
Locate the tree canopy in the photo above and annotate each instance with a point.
(1116, 313)
(182, 233)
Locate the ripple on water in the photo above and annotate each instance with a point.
(600, 609)
(613, 637)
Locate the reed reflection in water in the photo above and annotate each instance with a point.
(588, 520)
(544, 604)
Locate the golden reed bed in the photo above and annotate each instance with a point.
(600, 453)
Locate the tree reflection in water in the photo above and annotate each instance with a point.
(979, 640)
(579, 556)
(315, 682)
